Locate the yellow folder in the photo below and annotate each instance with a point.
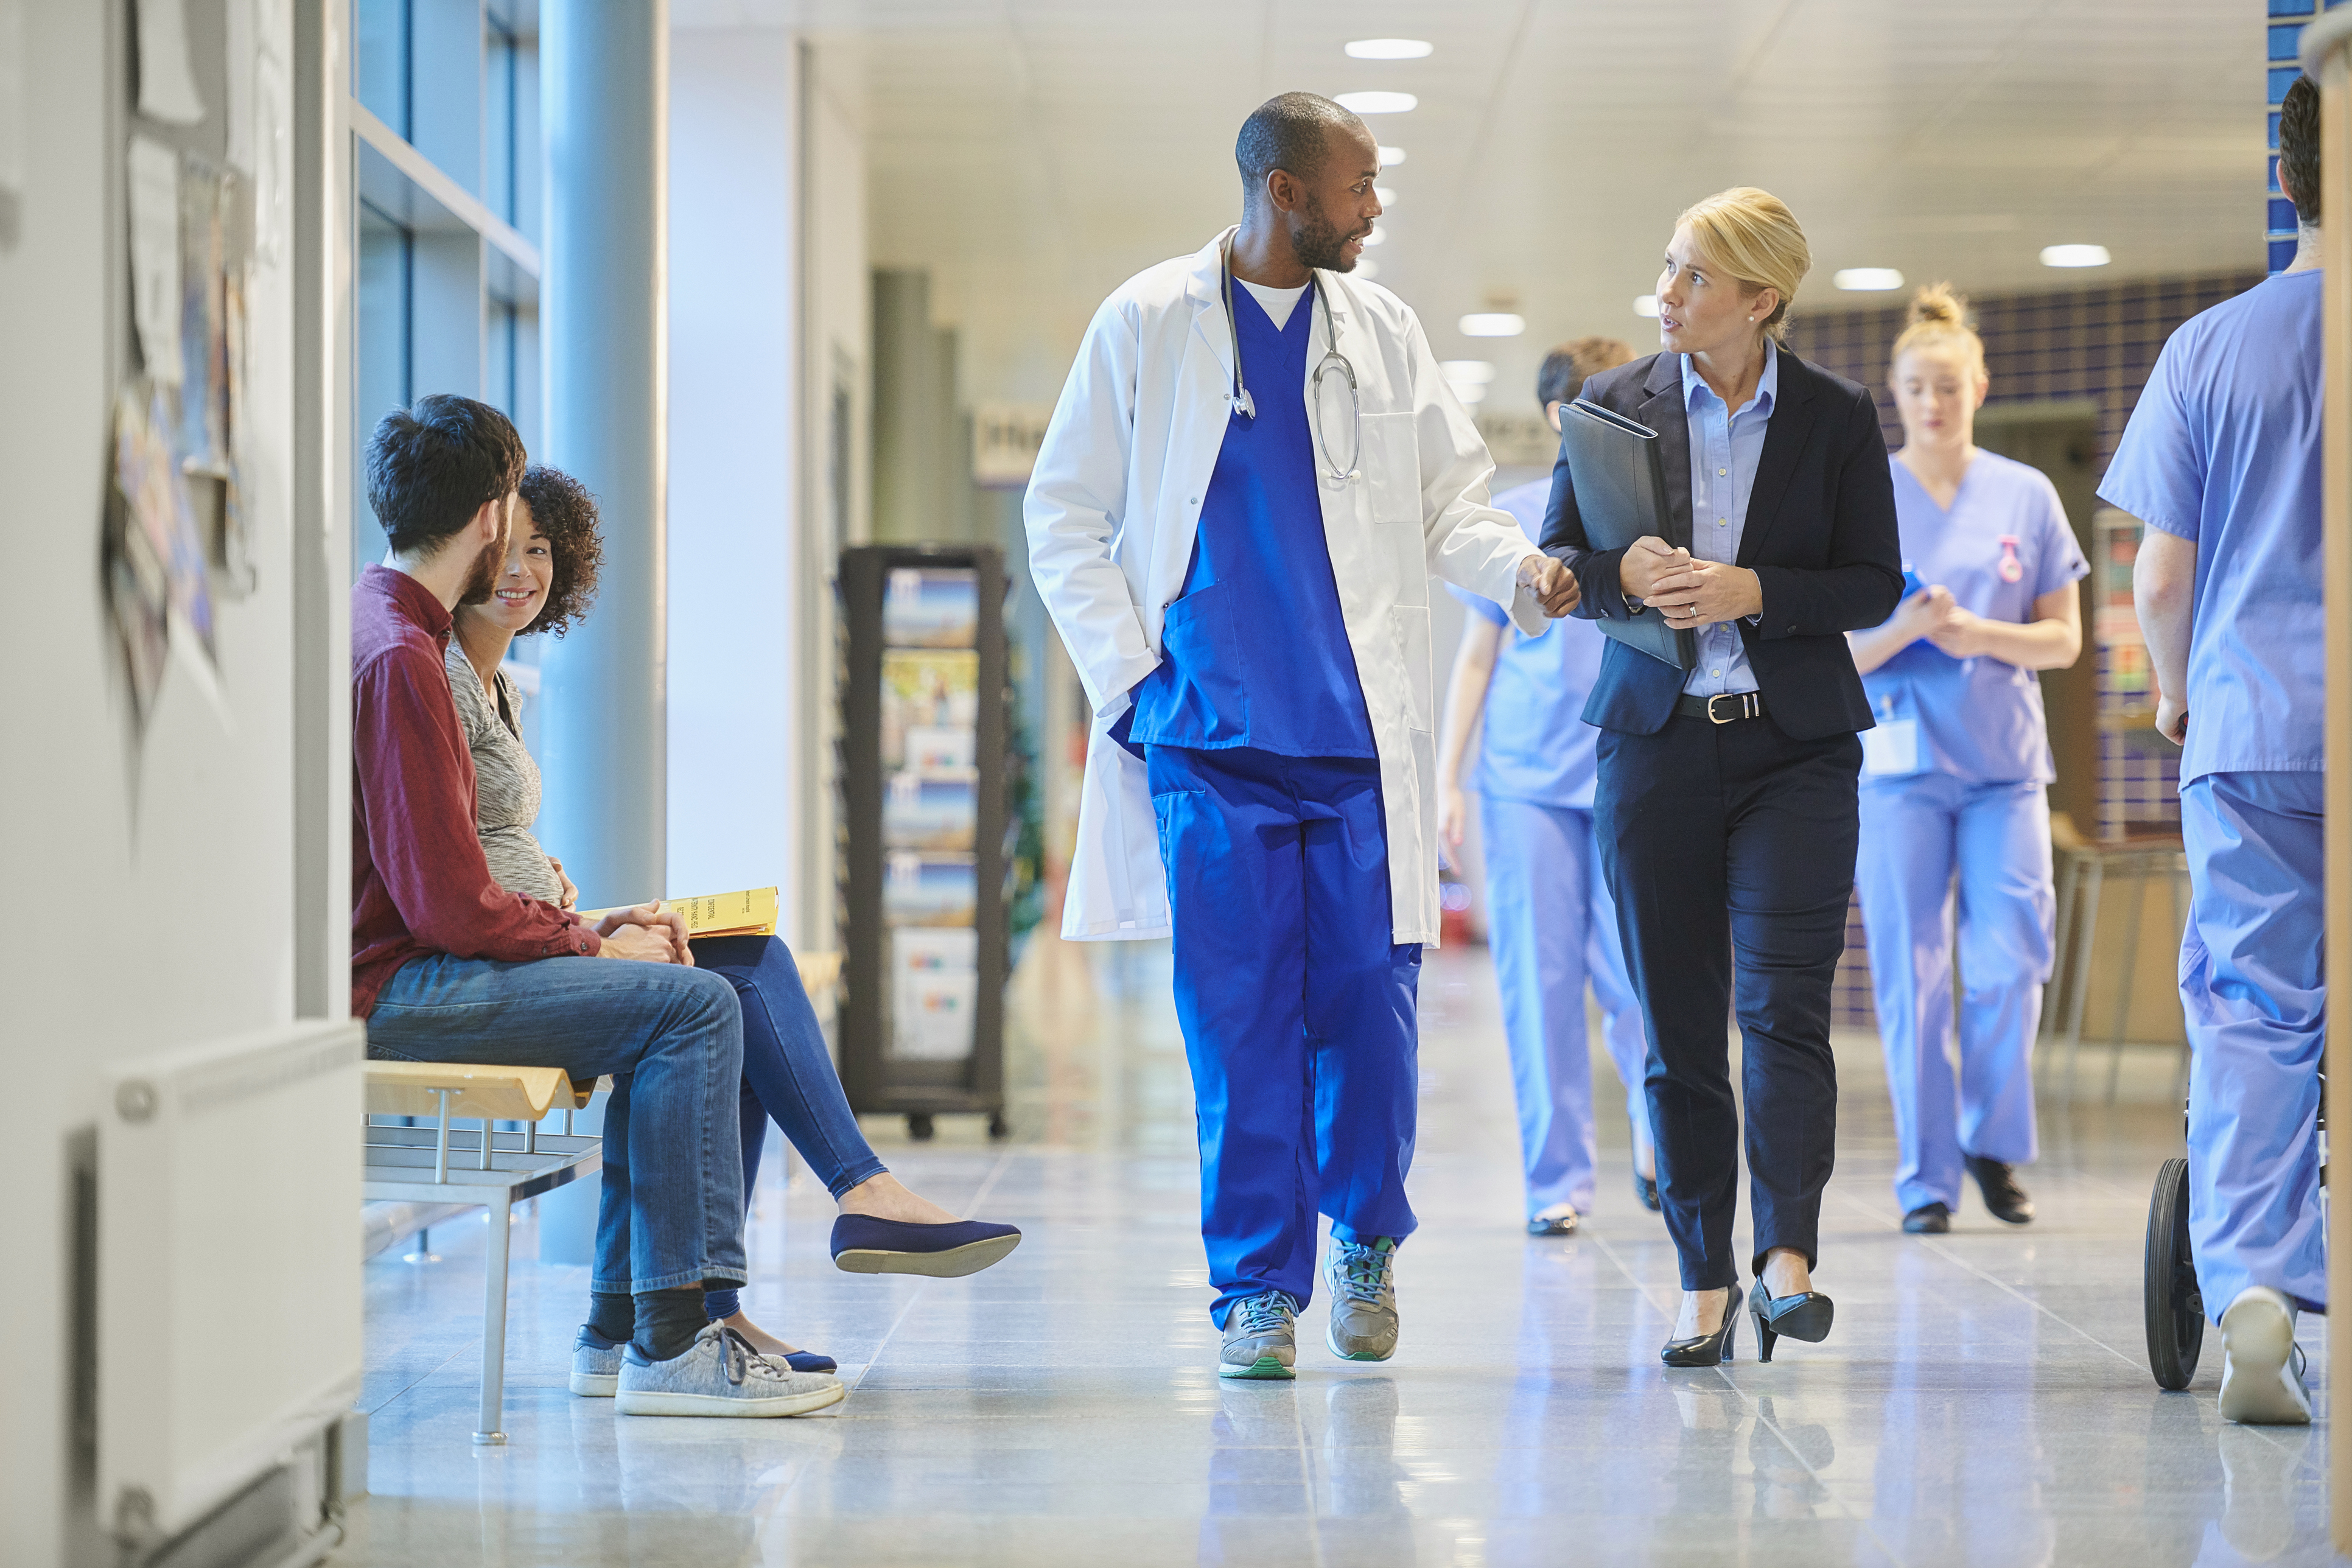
(752, 912)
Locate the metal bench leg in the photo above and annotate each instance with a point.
(2124, 983)
(494, 1322)
(2093, 881)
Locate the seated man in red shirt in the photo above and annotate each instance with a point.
(448, 967)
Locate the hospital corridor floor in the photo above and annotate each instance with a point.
(1984, 1400)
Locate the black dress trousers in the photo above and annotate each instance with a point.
(1730, 849)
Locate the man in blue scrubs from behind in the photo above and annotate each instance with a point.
(1252, 473)
(2223, 462)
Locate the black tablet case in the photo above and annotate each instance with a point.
(1621, 494)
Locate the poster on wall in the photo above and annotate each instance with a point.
(156, 303)
(167, 85)
(156, 584)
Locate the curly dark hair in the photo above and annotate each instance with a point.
(563, 510)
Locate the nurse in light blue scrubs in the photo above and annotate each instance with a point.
(1550, 922)
(1953, 778)
(2223, 461)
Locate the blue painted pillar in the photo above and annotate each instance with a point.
(605, 97)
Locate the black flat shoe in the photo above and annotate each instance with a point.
(2010, 1203)
(1707, 1349)
(1559, 1225)
(1928, 1219)
(1805, 1317)
(1646, 1189)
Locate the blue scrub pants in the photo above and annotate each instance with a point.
(1917, 833)
(1552, 925)
(2256, 995)
(1298, 1013)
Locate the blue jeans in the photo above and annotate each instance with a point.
(787, 1074)
(674, 1034)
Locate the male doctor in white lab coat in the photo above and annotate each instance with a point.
(1252, 473)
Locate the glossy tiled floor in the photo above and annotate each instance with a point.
(1984, 1401)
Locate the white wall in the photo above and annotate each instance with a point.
(767, 312)
(151, 877)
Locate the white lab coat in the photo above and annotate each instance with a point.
(1114, 500)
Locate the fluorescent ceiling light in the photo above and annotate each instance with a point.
(1366, 268)
(1378, 103)
(1645, 304)
(1475, 370)
(1387, 195)
(1493, 324)
(2075, 256)
(1388, 49)
(1378, 236)
(1391, 156)
(1867, 280)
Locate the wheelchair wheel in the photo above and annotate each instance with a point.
(2175, 1311)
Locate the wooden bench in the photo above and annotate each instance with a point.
(439, 1162)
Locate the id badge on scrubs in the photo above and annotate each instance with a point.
(1891, 751)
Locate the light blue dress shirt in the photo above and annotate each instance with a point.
(1724, 445)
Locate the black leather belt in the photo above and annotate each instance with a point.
(1725, 708)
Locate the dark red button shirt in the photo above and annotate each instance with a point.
(419, 884)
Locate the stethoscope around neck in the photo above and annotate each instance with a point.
(1331, 471)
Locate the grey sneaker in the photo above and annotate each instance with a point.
(2262, 1366)
(1261, 1338)
(722, 1374)
(1361, 1278)
(595, 1366)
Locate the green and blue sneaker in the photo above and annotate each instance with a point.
(1362, 1277)
(1261, 1340)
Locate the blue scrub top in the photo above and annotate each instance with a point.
(1536, 746)
(2224, 450)
(2004, 543)
(1255, 651)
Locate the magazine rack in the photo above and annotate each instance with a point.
(926, 835)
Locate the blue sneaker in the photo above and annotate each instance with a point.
(1361, 1278)
(1261, 1337)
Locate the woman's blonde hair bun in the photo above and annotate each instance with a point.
(1938, 318)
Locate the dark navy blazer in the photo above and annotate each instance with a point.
(1820, 537)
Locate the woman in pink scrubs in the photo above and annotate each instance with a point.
(1953, 778)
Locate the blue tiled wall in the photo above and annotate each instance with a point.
(2285, 21)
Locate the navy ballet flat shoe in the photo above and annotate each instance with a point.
(809, 1361)
(865, 1244)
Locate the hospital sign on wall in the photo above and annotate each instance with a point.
(1004, 441)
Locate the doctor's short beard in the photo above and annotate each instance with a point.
(1318, 242)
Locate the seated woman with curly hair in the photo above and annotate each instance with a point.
(545, 585)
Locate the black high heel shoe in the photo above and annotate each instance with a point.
(1707, 1349)
(1807, 1317)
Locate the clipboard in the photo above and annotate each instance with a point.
(1621, 495)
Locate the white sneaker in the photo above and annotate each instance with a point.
(720, 1374)
(2262, 1366)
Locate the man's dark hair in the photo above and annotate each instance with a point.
(1568, 367)
(430, 468)
(562, 509)
(2298, 149)
(1286, 132)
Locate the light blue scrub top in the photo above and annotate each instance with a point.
(1536, 746)
(1256, 651)
(2003, 545)
(2225, 450)
(1724, 449)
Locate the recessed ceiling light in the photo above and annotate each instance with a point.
(1476, 371)
(2075, 256)
(1365, 268)
(1388, 49)
(1493, 324)
(1867, 280)
(1377, 102)
(1391, 156)
(1645, 304)
(1387, 195)
(1378, 236)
